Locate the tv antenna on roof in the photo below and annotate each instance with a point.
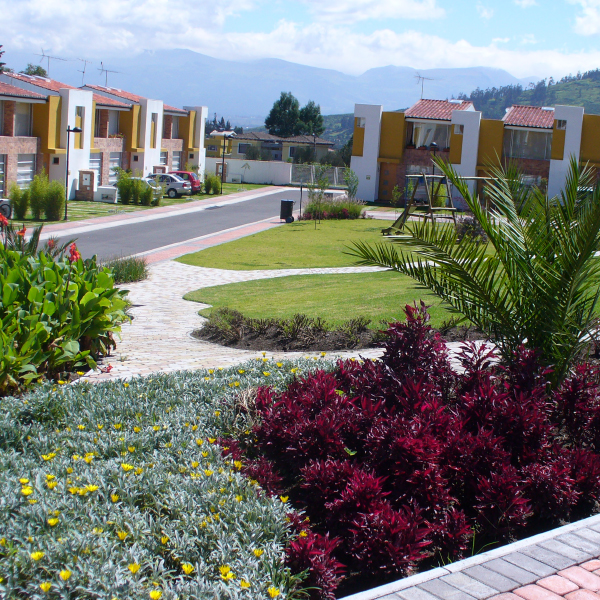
(106, 72)
(43, 56)
(421, 80)
(85, 64)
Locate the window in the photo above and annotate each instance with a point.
(360, 122)
(115, 163)
(211, 148)
(164, 157)
(22, 119)
(293, 151)
(153, 128)
(561, 124)
(79, 114)
(243, 148)
(424, 134)
(97, 124)
(25, 169)
(176, 161)
(96, 166)
(2, 171)
(527, 144)
(175, 134)
(459, 129)
(113, 122)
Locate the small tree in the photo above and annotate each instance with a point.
(252, 153)
(284, 116)
(55, 201)
(351, 181)
(35, 70)
(37, 194)
(2, 64)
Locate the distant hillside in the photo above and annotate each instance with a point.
(574, 90)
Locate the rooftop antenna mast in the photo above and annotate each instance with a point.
(43, 56)
(421, 80)
(85, 64)
(106, 72)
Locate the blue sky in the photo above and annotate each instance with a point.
(525, 37)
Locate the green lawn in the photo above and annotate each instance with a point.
(294, 246)
(335, 298)
(78, 209)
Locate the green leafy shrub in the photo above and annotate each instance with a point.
(123, 486)
(146, 196)
(125, 187)
(19, 200)
(207, 183)
(54, 202)
(54, 315)
(38, 190)
(128, 269)
(337, 208)
(212, 183)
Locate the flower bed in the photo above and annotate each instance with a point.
(403, 464)
(121, 490)
(336, 208)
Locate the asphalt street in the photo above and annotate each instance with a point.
(133, 238)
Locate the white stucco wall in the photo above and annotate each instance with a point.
(79, 158)
(573, 115)
(151, 156)
(366, 166)
(199, 159)
(270, 172)
(471, 122)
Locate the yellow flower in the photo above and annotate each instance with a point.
(244, 584)
(91, 488)
(45, 587)
(48, 457)
(117, 425)
(27, 490)
(60, 382)
(50, 477)
(37, 555)
(303, 533)
(241, 371)
(134, 568)
(52, 522)
(224, 569)
(323, 353)
(212, 440)
(125, 384)
(284, 499)
(3, 542)
(155, 594)
(217, 413)
(126, 467)
(64, 575)
(208, 472)
(294, 370)
(156, 428)
(76, 457)
(139, 471)
(137, 429)
(237, 464)
(100, 426)
(239, 498)
(69, 470)
(122, 535)
(81, 427)
(23, 481)
(258, 552)
(204, 454)
(273, 592)
(280, 365)
(32, 501)
(266, 373)
(199, 442)
(114, 498)
(51, 484)
(164, 540)
(97, 530)
(195, 464)
(237, 384)
(187, 568)
(80, 373)
(211, 371)
(194, 427)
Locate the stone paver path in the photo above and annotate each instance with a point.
(158, 338)
(556, 565)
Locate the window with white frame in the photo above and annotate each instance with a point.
(175, 130)
(25, 169)
(176, 161)
(561, 124)
(22, 119)
(164, 158)
(425, 134)
(524, 143)
(115, 159)
(95, 164)
(113, 122)
(243, 148)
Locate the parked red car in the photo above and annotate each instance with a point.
(191, 177)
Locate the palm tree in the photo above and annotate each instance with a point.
(536, 280)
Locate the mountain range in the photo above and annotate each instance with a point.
(244, 91)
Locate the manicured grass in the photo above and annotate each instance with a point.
(335, 298)
(294, 246)
(79, 209)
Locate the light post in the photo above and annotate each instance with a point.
(433, 148)
(70, 130)
(225, 136)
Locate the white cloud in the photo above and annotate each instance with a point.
(351, 11)
(525, 3)
(528, 38)
(587, 22)
(484, 12)
(501, 40)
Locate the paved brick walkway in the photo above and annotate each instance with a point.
(556, 565)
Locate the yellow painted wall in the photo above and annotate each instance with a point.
(590, 139)
(456, 144)
(187, 127)
(93, 124)
(558, 143)
(47, 123)
(393, 132)
(491, 140)
(358, 142)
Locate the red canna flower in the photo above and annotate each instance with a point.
(3, 221)
(51, 243)
(21, 233)
(74, 255)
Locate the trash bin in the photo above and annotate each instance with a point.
(285, 213)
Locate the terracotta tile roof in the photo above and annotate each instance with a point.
(42, 82)
(10, 90)
(173, 109)
(115, 92)
(308, 139)
(440, 110)
(106, 101)
(529, 116)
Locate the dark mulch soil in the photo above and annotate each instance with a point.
(274, 340)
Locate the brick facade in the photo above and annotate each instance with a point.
(8, 128)
(167, 127)
(103, 123)
(106, 146)
(171, 146)
(11, 147)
